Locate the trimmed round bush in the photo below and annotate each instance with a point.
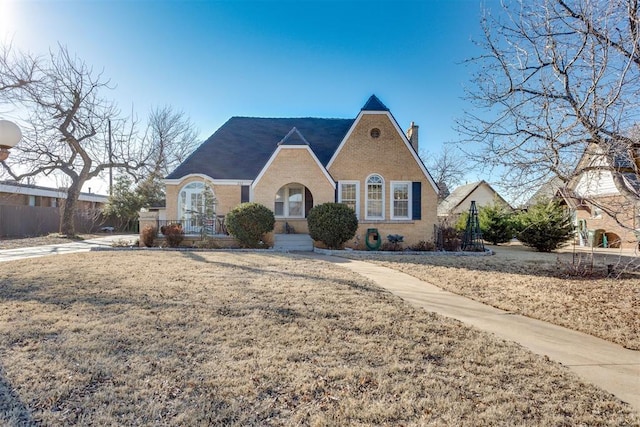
(332, 224)
(248, 222)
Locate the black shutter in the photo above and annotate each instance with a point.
(416, 202)
(244, 194)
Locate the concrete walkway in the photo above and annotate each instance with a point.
(63, 248)
(607, 365)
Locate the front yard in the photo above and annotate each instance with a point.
(205, 338)
(542, 286)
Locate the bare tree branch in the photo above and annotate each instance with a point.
(556, 78)
(65, 124)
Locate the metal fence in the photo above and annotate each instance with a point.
(198, 226)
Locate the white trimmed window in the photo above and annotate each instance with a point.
(349, 194)
(196, 201)
(289, 202)
(400, 200)
(375, 197)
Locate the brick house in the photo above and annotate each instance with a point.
(292, 164)
(604, 198)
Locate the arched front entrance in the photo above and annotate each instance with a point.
(196, 207)
(292, 201)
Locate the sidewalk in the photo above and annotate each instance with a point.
(62, 248)
(607, 365)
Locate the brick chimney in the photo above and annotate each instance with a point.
(412, 135)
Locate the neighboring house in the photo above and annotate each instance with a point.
(459, 201)
(293, 164)
(604, 198)
(31, 209)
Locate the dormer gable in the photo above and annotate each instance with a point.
(294, 137)
(365, 132)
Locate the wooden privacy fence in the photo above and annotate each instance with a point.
(22, 221)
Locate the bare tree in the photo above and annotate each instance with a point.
(64, 123)
(171, 137)
(556, 78)
(447, 169)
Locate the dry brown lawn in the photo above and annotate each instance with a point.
(542, 286)
(159, 338)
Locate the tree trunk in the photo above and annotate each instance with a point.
(68, 225)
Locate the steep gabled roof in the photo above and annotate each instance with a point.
(612, 157)
(374, 104)
(294, 137)
(546, 191)
(243, 145)
(456, 197)
(460, 194)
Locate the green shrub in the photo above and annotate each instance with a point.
(461, 223)
(332, 224)
(173, 233)
(546, 226)
(149, 233)
(496, 223)
(248, 222)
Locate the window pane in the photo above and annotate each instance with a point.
(348, 195)
(401, 200)
(400, 209)
(295, 201)
(348, 192)
(374, 179)
(279, 203)
(375, 207)
(374, 195)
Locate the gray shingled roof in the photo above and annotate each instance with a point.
(242, 146)
(456, 197)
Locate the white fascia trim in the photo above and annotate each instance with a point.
(53, 193)
(92, 198)
(178, 181)
(293, 147)
(60, 194)
(407, 143)
(346, 137)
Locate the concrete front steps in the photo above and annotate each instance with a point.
(292, 242)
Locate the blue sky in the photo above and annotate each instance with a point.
(218, 59)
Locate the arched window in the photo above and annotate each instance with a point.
(196, 202)
(290, 201)
(375, 197)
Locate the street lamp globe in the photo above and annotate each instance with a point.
(10, 135)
